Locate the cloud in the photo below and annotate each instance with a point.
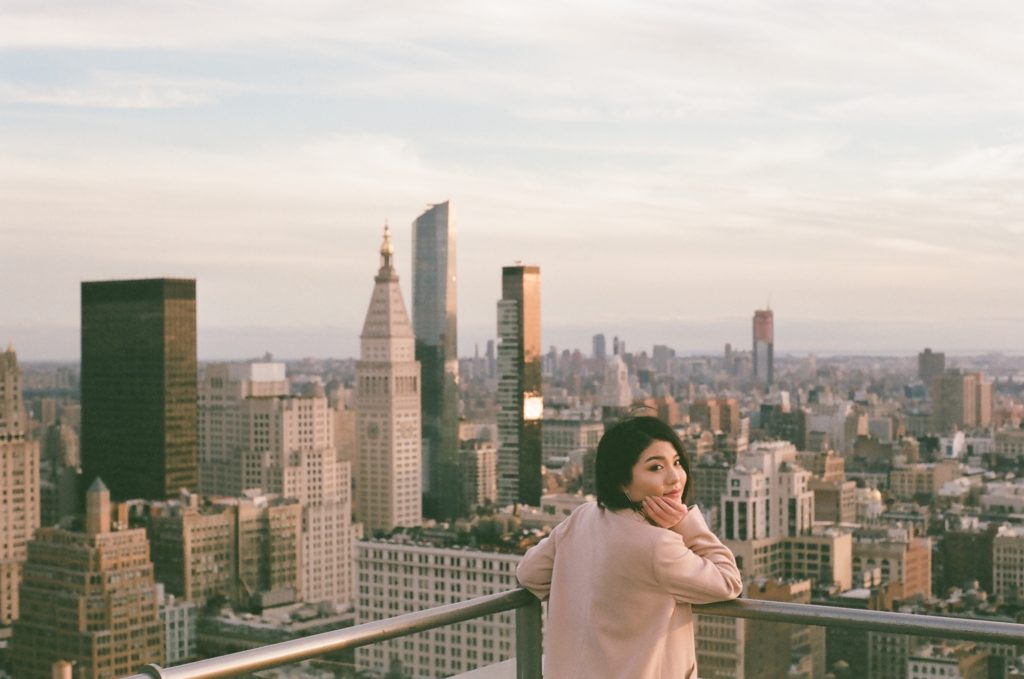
(115, 91)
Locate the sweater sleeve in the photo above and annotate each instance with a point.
(698, 568)
(534, 569)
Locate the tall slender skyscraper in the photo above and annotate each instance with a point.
(139, 386)
(520, 404)
(19, 485)
(388, 477)
(764, 344)
(434, 323)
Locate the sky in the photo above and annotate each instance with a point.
(670, 166)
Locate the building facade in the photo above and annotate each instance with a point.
(764, 346)
(930, 364)
(767, 495)
(256, 436)
(59, 471)
(961, 400)
(247, 550)
(139, 394)
(180, 621)
(1008, 563)
(1009, 443)
(478, 465)
(241, 425)
(19, 485)
(949, 660)
(434, 309)
(834, 501)
(388, 428)
(899, 555)
(89, 598)
(562, 436)
(520, 403)
(401, 575)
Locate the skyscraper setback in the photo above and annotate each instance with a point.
(434, 304)
(764, 345)
(388, 492)
(520, 404)
(255, 433)
(139, 389)
(89, 597)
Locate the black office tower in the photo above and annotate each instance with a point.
(139, 391)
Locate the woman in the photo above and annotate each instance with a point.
(620, 575)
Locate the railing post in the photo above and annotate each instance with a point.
(528, 641)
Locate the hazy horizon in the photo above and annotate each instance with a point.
(216, 344)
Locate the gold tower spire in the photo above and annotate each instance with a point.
(387, 250)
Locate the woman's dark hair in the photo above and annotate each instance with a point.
(618, 451)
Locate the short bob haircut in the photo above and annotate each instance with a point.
(620, 448)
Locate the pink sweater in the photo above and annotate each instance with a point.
(619, 592)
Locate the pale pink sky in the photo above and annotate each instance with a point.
(670, 166)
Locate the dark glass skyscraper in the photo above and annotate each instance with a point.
(434, 306)
(139, 389)
(520, 404)
(930, 364)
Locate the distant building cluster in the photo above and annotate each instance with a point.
(156, 509)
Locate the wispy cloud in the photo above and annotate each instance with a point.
(134, 93)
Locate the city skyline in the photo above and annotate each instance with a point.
(852, 165)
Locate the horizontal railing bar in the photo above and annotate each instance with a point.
(876, 621)
(314, 645)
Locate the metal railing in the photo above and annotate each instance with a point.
(528, 632)
(528, 641)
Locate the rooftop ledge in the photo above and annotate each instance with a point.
(528, 630)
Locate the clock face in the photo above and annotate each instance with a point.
(407, 430)
(372, 430)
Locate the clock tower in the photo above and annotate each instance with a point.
(388, 469)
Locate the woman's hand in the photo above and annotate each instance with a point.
(663, 511)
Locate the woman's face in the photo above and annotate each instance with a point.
(657, 471)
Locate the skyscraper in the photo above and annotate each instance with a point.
(520, 404)
(960, 400)
(930, 364)
(255, 434)
(19, 485)
(764, 343)
(388, 473)
(139, 394)
(88, 597)
(434, 324)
